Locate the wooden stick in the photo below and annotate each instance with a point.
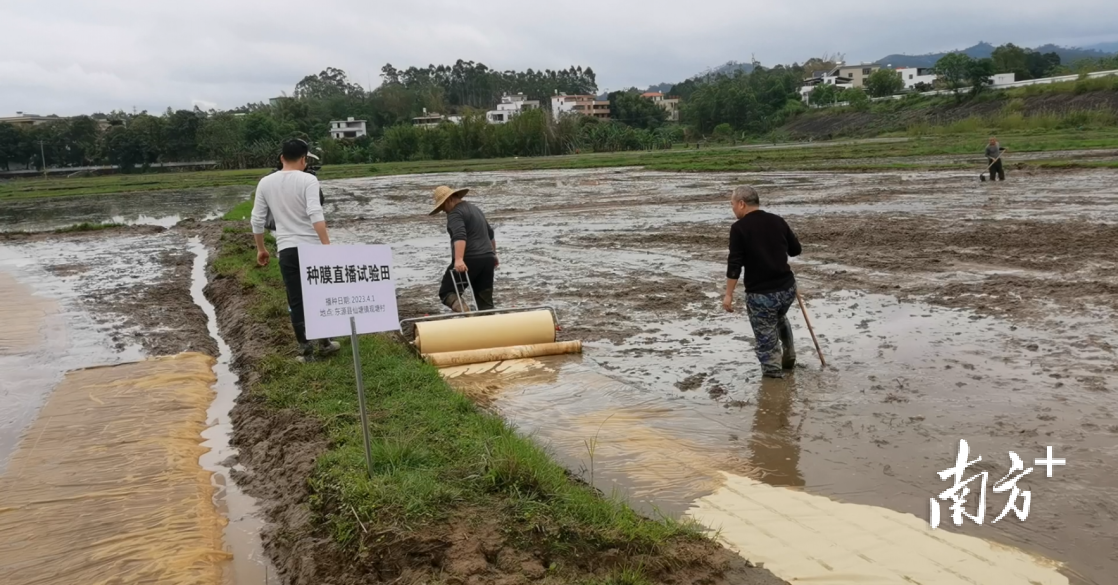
(810, 330)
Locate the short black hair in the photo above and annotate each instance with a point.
(295, 149)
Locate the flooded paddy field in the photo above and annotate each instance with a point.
(947, 309)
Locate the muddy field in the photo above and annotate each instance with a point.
(948, 309)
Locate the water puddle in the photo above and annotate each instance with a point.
(162, 208)
(105, 486)
(242, 534)
(46, 334)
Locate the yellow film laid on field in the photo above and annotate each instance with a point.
(106, 486)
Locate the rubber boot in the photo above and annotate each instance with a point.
(456, 303)
(787, 344)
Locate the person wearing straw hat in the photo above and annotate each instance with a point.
(473, 250)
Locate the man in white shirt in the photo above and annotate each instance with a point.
(291, 196)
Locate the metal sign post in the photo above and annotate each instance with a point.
(361, 393)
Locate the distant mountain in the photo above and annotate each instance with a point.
(983, 50)
(1104, 47)
(660, 88)
(980, 51)
(727, 68)
(1073, 54)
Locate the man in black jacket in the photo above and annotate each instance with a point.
(760, 243)
(473, 250)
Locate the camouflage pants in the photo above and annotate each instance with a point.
(768, 314)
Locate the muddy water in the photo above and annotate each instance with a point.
(683, 399)
(57, 337)
(242, 534)
(162, 208)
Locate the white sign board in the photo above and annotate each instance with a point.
(340, 282)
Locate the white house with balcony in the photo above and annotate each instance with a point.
(510, 107)
(348, 128)
(583, 105)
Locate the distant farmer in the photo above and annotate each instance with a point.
(473, 250)
(760, 243)
(292, 198)
(994, 152)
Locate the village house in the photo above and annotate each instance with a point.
(348, 128)
(584, 105)
(669, 103)
(510, 107)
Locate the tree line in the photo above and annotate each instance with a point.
(722, 105)
(249, 136)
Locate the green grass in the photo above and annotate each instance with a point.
(1012, 120)
(435, 453)
(967, 136)
(241, 212)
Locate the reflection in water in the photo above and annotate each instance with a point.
(774, 444)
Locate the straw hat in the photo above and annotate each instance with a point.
(442, 194)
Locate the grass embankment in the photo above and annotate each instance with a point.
(787, 156)
(1067, 109)
(438, 458)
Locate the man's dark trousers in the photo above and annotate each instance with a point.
(997, 171)
(289, 269)
(480, 272)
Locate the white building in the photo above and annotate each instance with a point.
(818, 78)
(348, 128)
(510, 107)
(913, 76)
(433, 119)
(1003, 79)
(585, 105)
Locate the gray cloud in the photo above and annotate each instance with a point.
(75, 56)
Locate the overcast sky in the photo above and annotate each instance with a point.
(80, 56)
